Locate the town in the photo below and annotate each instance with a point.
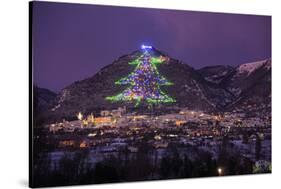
(119, 131)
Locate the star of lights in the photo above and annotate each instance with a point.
(146, 47)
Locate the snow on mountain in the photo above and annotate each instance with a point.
(62, 98)
(249, 68)
(268, 64)
(246, 75)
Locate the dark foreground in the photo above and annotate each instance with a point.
(93, 166)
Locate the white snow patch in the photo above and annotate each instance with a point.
(248, 68)
(268, 65)
(65, 93)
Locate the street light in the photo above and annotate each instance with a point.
(220, 171)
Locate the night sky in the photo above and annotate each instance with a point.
(74, 41)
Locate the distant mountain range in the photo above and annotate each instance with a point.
(212, 88)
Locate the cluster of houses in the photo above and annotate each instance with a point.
(209, 123)
(107, 118)
(194, 128)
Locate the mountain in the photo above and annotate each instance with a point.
(246, 75)
(42, 98)
(215, 88)
(251, 85)
(215, 74)
(89, 94)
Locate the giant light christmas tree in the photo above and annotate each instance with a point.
(144, 82)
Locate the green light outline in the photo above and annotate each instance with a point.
(154, 61)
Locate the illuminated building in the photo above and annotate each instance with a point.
(180, 122)
(100, 121)
(79, 116)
